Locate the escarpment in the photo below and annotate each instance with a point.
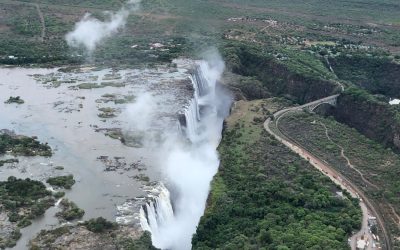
(375, 119)
(266, 75)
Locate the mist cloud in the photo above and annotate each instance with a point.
(140, 113)
(90, 31)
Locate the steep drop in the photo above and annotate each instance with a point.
(189, 164)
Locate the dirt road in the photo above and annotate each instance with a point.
(41, 17)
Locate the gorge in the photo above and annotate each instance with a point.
(190, 164)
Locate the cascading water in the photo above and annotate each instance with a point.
(189, 166)
(192, 118)
(157, 212)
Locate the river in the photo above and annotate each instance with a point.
(65, 116)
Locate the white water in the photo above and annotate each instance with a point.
(159, 211)
(394, 101)
(189, 166)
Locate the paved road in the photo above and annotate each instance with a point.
(366, 206)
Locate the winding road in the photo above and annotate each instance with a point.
(366, 206)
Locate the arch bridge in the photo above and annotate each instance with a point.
(311, 106)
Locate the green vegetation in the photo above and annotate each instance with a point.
(116, 98)
(24, 200)
(70, 211)
(17, 193)
(59, 168)
(379, 166)
(11, 241)
(100, 225)
(107, 112)
(115, 134)
(24, 223)
(88, 85)
(112, 238)
(301, 77)
(50, 236)
(143, 243)
(22, 145)
(377, 74)
(266, 197)
(182, 30)
(372, 117)
(2, 162)
(142, 177)
(66, 181)
(15, 99)
(59, 194)
(132, 140)
(125, 99)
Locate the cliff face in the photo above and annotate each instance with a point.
(270, 76)
(377, 75)
(374, 119)
(306, 89)
(281, 81)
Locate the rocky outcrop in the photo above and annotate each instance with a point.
(79, 237)
(375, 119)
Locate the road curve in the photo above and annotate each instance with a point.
(330, 172)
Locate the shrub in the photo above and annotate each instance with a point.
(15, 99)
(66, 181)
(99, 225)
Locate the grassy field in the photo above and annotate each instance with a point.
(373, 168)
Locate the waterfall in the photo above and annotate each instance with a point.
(192, 118)
(202, 88)
(199, 82)
(157, 211)
(188, 168)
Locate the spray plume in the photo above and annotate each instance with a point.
(89, 31)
